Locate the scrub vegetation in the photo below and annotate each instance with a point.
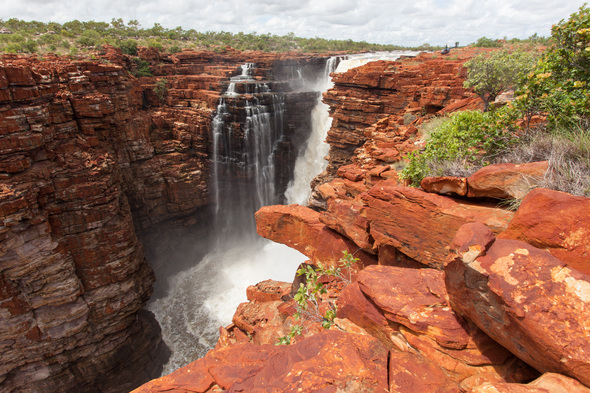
(554, 88)
(76, 37)
(308, 299)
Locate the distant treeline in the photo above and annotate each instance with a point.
(19, 36)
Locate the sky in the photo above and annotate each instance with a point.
(408, 22)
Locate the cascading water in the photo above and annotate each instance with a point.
(311, 162)
(205, 296)
(246, 129)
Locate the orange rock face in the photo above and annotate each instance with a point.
(557, 222)
(528, 301)
(300, 228)
(408, 310)
(422, 225)
(328, 362)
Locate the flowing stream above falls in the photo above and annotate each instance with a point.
(196, 301)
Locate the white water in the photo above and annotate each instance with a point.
(311, 163)
(205, 296)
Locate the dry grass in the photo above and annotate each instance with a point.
(568, 153)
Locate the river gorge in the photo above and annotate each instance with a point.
(134, 213)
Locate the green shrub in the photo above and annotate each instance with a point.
(559, 85)
(161, 88)
(473, 137)
(485, 42)
(490, 74)
(142, 68)
(129, 47)
(308, 296)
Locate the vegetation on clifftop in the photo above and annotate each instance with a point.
(76, 37)
(557, 89)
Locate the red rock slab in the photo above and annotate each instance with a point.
(300, 228)
(348, 217)
(547, 383)
(505, 181)
(412, 374)
(446, 185)
(407, 310)
(555, 221)
(415, 298)
(267, 291)
(420, 224)
(326, 362)
(529, 302)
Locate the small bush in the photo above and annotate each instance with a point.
(472, 137)
(485, 42)
(129, 47)
(143, 68)
(161, 88)
(308, 296)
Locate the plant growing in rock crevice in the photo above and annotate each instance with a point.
(308, 299)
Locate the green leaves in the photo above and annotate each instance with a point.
(470, 136)
(308, 296)
(558, 86)
(490, 74)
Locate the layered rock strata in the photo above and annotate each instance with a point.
(90, 159)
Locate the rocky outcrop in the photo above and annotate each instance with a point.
(491, 321)
(561, 229)
(525, 299)
(499, 181)
(364, 95)
(327, 362)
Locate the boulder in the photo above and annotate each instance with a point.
(446, 185)
(408, 310)
(300, 228)
(506, 181)
(421, 225)
(563, 227)
(525, 299)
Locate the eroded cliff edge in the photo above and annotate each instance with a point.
(92, 158)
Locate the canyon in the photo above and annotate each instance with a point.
(451, 291)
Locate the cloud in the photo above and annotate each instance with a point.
(382, 21)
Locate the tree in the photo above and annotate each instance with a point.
(559, 85)
(491, 74)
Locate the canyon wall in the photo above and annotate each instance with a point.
(451, 291)
(91, 160)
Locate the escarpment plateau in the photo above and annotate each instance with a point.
(451, 292)
(92, 160)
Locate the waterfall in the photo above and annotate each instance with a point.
(246, 129)
(311, 162)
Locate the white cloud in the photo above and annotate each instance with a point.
(382, 21)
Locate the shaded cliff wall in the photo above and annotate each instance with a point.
(90, 157)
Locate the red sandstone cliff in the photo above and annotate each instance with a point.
(89, 157)
(447, 296)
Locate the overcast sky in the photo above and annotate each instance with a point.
(408, 22)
